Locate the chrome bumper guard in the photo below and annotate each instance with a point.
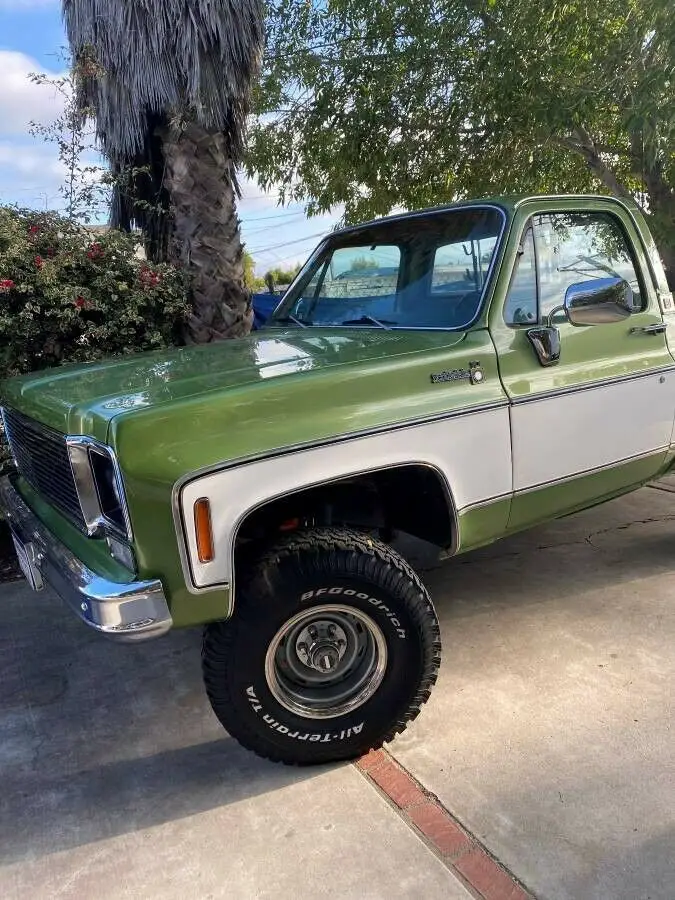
(126, 612)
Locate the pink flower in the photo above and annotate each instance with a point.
(95, 251)
(79, 302)
(6, 284)
(34, 229)
(148, 278)
(39, 262)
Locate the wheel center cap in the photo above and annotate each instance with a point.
(324, 657)
(321, 645)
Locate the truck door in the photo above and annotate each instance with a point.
(598, 421)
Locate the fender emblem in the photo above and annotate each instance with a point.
(474, 374)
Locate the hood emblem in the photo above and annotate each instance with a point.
(475, 374)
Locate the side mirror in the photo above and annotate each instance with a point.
(600, 301)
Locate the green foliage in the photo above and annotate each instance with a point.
(361, 263)
(252, 281)
(379, 105)
(282, 276)
(68, 296)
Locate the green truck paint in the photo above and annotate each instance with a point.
(299, 397)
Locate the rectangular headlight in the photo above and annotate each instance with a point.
(99, 486)
(108, 489)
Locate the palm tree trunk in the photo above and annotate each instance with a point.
(206, 239)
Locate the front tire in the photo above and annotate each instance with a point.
(333, 649)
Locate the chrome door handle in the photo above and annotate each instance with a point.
(657, 328)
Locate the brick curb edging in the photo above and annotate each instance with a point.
(460, 851)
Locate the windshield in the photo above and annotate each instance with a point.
(425, 271)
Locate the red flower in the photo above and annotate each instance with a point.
(95, 251)
(148, 278)
(34, 229)
(6, 284)
(79, 302)
(51, 252)
(39, 262)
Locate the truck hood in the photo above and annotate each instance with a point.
(82, 399)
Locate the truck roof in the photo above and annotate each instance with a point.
(508, 202)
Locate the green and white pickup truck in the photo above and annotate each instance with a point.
(456, 374)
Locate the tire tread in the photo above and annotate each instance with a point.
(326, 550)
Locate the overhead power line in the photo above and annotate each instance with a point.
(291, 212)
(248, 233)
(303, 240)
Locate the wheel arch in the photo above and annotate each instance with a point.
(393, 492)
(413, 493)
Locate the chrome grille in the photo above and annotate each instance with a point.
(42, 459)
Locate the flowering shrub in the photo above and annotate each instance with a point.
(65, 297)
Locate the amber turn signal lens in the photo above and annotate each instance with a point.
(203, 531)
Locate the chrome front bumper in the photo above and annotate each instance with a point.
(126, 612)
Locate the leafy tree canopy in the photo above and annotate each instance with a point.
(283, 276)
(415, 103)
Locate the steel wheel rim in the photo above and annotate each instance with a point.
(311, 674)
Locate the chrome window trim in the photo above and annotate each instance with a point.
(487, 285)
(79, 448)
(616, 201)
(612, 214)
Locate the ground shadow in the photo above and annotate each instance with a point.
(57, 810)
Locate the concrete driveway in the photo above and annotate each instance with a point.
(548, 737)
(550, 731)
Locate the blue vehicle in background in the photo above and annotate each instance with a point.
(263, 307)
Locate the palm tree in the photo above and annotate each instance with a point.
(169, 82)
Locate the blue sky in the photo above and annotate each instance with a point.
(31, 37)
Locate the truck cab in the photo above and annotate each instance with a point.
(458, 373)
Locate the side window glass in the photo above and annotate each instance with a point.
(578, 247)
(353, 282)
(357, 272)
(462, 265)
(521, 301)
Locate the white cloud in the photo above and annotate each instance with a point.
(30, 174)
(21, 101)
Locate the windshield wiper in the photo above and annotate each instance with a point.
(284, 320)
(364, 320)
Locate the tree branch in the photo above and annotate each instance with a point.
(585, 147)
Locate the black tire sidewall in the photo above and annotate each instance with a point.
(343, 736)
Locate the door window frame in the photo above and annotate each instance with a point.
(645, 294)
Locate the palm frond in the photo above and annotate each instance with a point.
(147, 64)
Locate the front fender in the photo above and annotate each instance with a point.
(469, 450)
